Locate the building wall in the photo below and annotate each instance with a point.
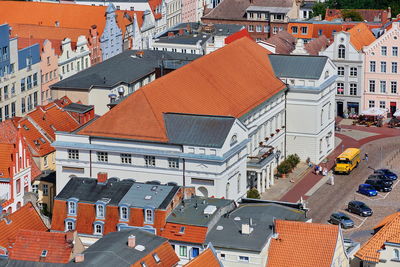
(346, 101)
(174, 10)
(123, 5)
(72, 61)
(189, 10)
(382, 99)
(45, 198)
(49, 70)
(111, 39)
(231, 257)
(74, 94)
(388, 256)
(340, 257)
(94, 46)
(47, 162)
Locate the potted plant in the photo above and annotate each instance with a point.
(277, 130)
(272, 135)
(266, 138)
(253, 193)
(283, 168)
(293, 160)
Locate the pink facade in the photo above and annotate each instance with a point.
(49, 69)
(94, 46)
(382, 68)
(189, 9)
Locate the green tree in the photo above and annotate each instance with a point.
(253, 193)
(353, 15)
(319, 9)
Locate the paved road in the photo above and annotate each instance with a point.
(330, 198)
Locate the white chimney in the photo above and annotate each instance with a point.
(246, 229)
(131, 241)
(80, 257)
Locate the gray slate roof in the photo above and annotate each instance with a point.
(78, 108)
(197, 130)
(298, 66)
(262, 220)
(126, 68)
(112, 249)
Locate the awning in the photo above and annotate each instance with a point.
(353, 104)
(374, 112)
(397, 113)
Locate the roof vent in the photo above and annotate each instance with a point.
(237, 219)
(220, 227)
(154, 188)
(140, 247)
(147, 197)
(210, 209)
(44, 254)
(246, 229)
(25, 127)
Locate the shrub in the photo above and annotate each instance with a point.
(284, 167)
(293, 160)
(253, 193)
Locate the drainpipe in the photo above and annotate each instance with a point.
(183, 172)
(90, 157)
(286, 92)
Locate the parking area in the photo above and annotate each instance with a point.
(383, 153)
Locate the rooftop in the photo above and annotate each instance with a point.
(113, 250)
(206, 258)
(298, 66)
(303, 244)
(284, 42)
(360, 36)
(194, 89)
(78, 108)
(126, 67)
(227, 233)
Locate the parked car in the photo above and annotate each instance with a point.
(379, 185)
(386, 181)
(342, 219)
(358, 207)
(387, 173)
(367, 189)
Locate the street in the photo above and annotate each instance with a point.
(383, 153)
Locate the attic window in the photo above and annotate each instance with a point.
(182, 230)
(36, 142)
(42, 140)
(52, 127)
(233, 139)
(44, 253)
(156, 258)
(25, 127)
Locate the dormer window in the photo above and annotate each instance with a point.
(98, 228)
(100, 211)
(72, 204)
(69, 224)
(233, 139)
(148, 216)
(123, 213)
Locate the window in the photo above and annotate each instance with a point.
(384, 51)
(353, 72)
(303, 30)
(6, 92)
(383, 86)
(18, 185)
(371, 103)
(244, 258)
(73, 154)
(150, 161)
(143, 264)
(102, 156)
(340, 88)
(13, 109)
(342, 51)
(393, 87)
(71, 207)
(222, 255)
(35, 188)
(353, 89)
(23, 105)
(29, 102)
(35, 99)
(100, 211)
(372, 66)
(183, 251)
(13, 89)
(29, 82)
(340, 71)
(372, 86)
(148, 216)
(266, 28)
(294, 30)
(238, 183)
(126, 158)
(394, 67)
(251, 28)
(173, 163)
(383, 67)
(319, 32)
(69, 225)
(156, 258)
(275, 30)
(98, 228)
(396, 254)
(6, 112)
(45, 190)
(394, 51)
(22, 84)
(259, 28)
(123, 213)
(35, 81)
(382, 104)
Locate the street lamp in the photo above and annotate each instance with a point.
(277, 155)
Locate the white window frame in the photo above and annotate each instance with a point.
(67, 223)
(383, 67)
(372, 66)
(73, 154)
(102, 156)
(72, 207)
(98, 228)
(100, 210)
(383, 50)
(353, 71)
(393, 87)
(126, 158)
(243, 258)
(372, 85)
(121, 213)
(394, 67)
(150, 161)
(371, 103)
(148, 216)
(353, 87)
(340, 71)
(173, 163)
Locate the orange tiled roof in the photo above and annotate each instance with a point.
(25, 218)
(166, 254)
(192, 234)
(244, 80)
(360, 36)
(8, 133)
(370, 15)
(6, 154)
(67, 15)
(206, 259)
(29, 244)
(302, 244)
(390, 232)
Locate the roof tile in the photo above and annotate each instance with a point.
(191, 234)
(206, 259)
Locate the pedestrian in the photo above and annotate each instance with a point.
(320, 170)
(316, 168)
(366, 157)
(325, 172)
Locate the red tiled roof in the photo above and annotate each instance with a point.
(25, 218)
(6, 155)
(192, 234)
(302, 244)
(166, 254)
(67, 15)
(29, 244)
(370, 15)
(317, 45)
(8, 133)
(206, 259)
(284, 42)
(244, 80)
(360, 36)
(237, 35)
(38, 144)
(390, 232)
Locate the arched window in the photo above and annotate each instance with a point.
(71, 207)
(148, 216)
(233, 139)
(69, 225)
(238, 182)
(100, 211)
(342, 51)
(227, 190)
(123, 213)
(98, 229)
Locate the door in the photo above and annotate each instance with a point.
(392, 108)
(339, 109)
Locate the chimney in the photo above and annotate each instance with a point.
(170, 34)
(69, 237)
(131, 241)
(102, 177)
(246, 229)
(79, 257)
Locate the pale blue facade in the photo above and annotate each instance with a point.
(111, 39)
(4, 49)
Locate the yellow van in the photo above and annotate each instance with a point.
(348, 160)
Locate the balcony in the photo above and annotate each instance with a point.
(263, 157)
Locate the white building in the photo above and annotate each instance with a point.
(347, 53)
(310, 104)
(174, 11)
(162, 131)
(72, 61)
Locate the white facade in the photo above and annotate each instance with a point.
(311, 115)
(71, 61)
(350, 81)
(174, 11)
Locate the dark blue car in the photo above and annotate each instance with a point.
(367, 189)
(387, 173)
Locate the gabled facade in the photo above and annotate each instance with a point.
(72, 60)
(111, 39)
(381, 68)
(347, 53)
(49, 70)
